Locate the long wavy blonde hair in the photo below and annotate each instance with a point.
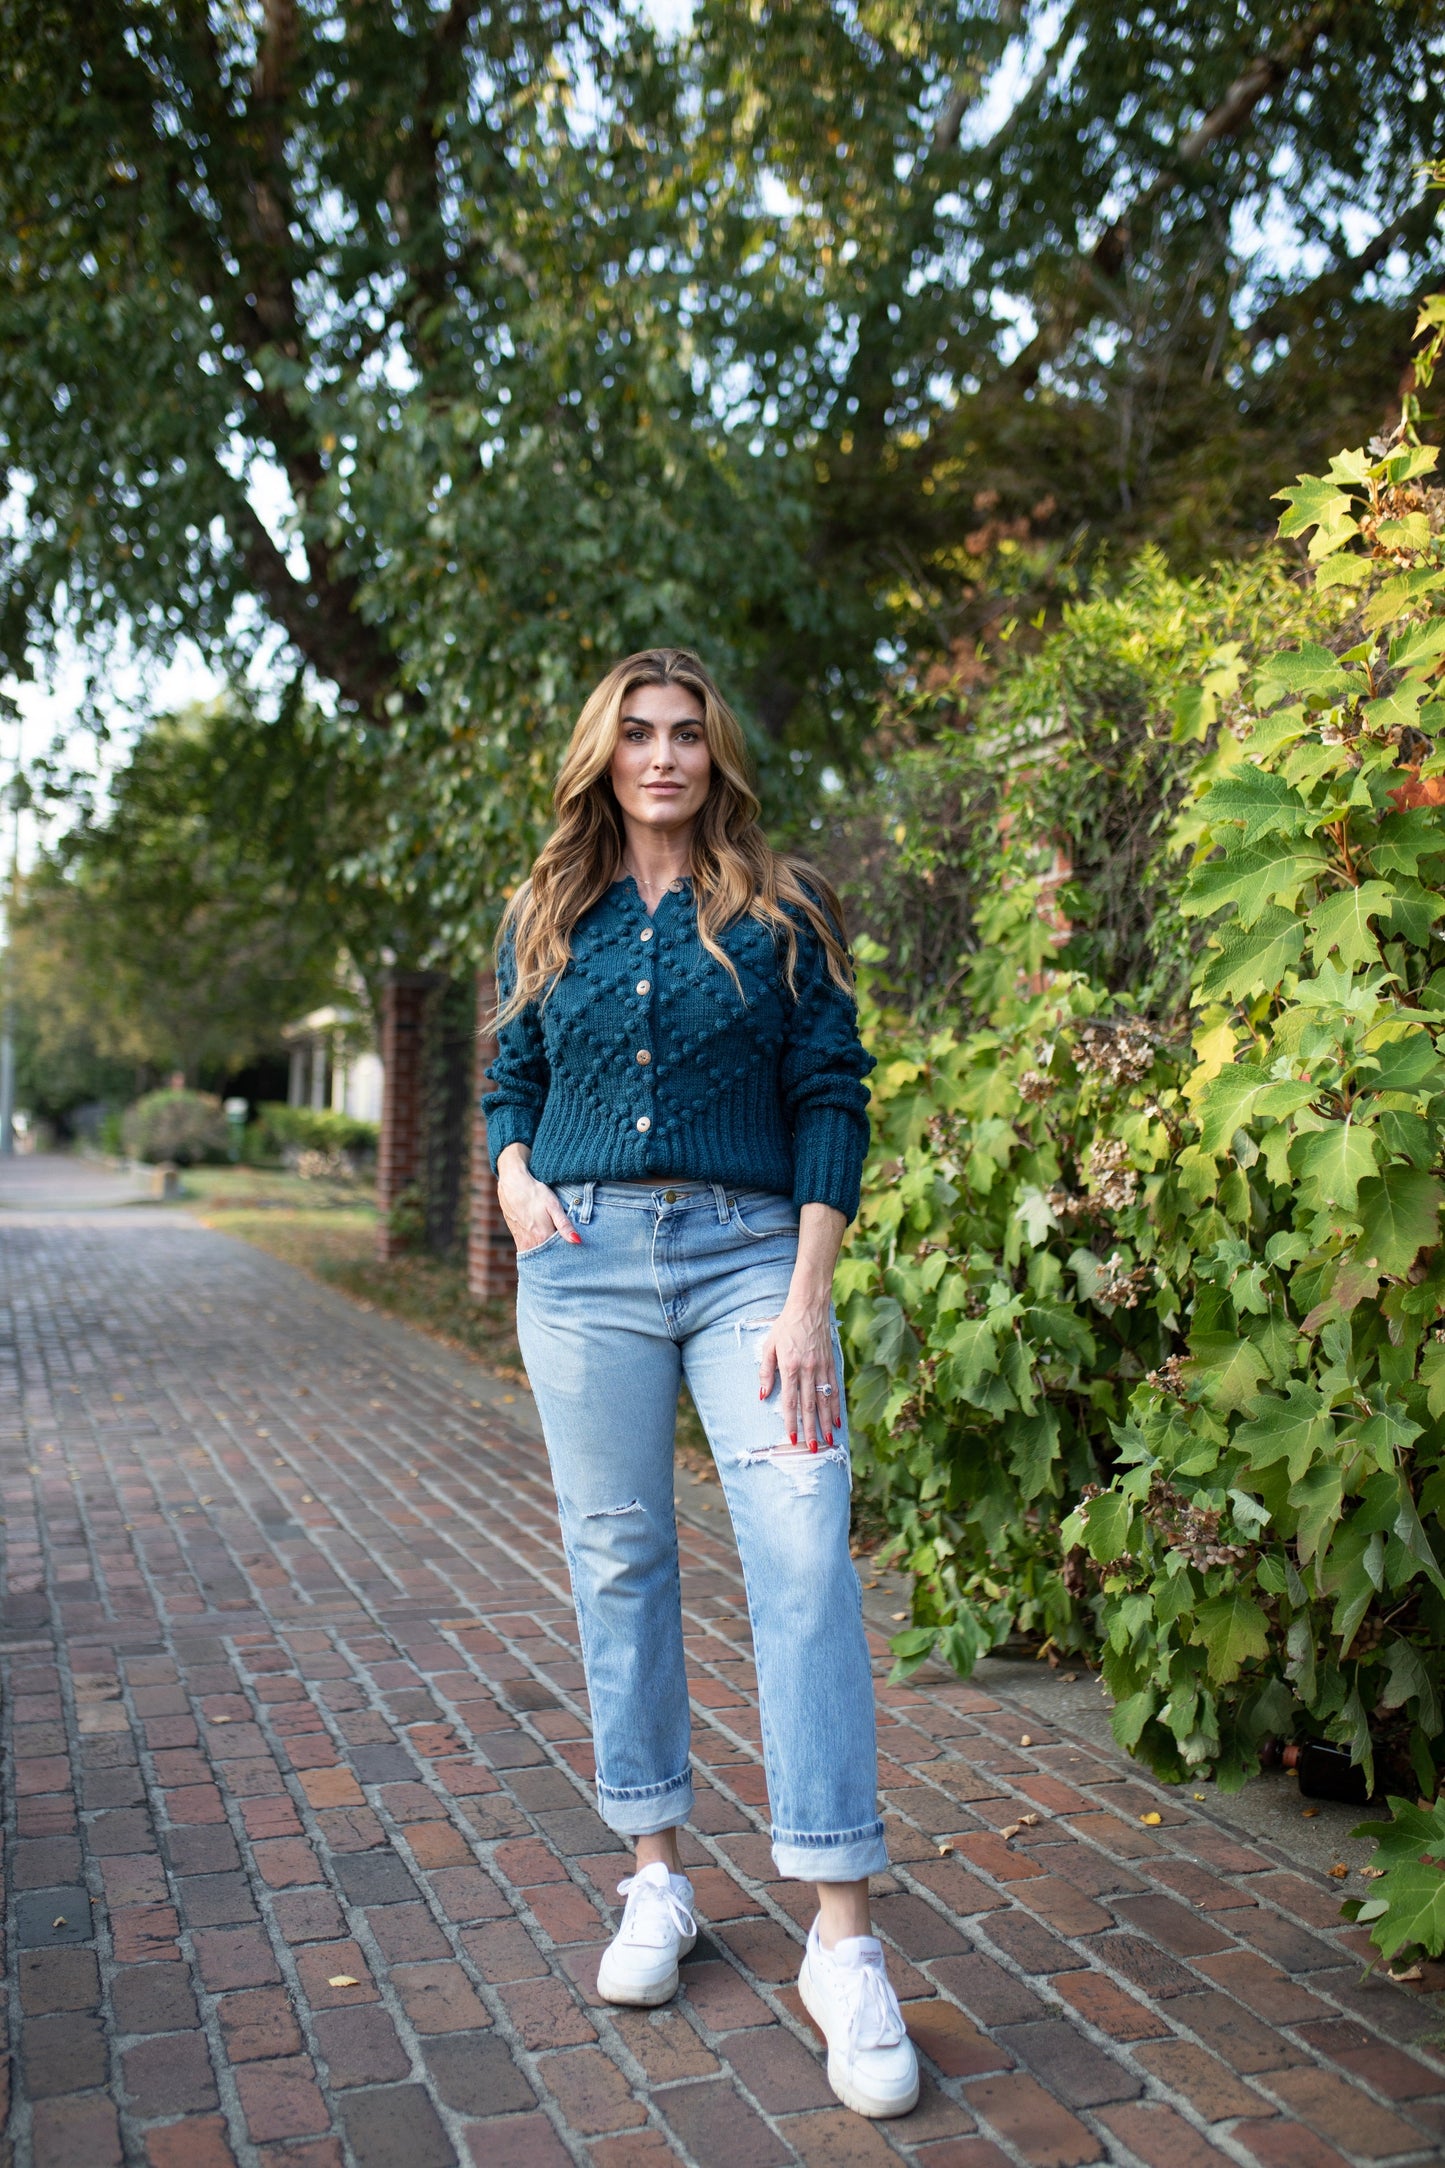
(735, 871)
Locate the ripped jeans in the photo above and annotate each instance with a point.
(681, 1281)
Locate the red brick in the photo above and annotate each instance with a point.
(1384, 2068)
(1270, 1993)
(961, 1891)
(718, 2128)
(322, 1962)
(529, 1862)
(235, 1957)
(1343, 2113)
(591, 2091)
(332, 1788)
(952, 2041)
(169, 2075)
(360, 2046)
(77, 2133)
(566, 1913)
(270, 1818)
(1287, 2144)
(258, 2025)
(1025, 2116)
(281, 2100)
(1160, 2136)
(440, 1998)
(997, 1857)
(522, 2141)
(438, 1844)
(58, 1980)
(503, 1950)
(145, 1932)
(286, 1862)
(194, 1803)
(962, 2153)
(832, 2138)
(199, 2142)
(1179, 1930)
(1097, 1999)
(546, 2016)
(1198, 1887)
(1210, 2086)
(466, 1893)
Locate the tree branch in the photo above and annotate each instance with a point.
(1102, 265)
(1411, 229)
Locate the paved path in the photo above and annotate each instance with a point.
(301, 1865)
(64, 1182)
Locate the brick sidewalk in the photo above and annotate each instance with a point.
(301, 1864)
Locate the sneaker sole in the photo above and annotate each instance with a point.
(869, 2104)
(635, 1995)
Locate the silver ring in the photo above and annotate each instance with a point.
(824, 1389)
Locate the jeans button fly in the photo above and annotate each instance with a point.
(669, 1196)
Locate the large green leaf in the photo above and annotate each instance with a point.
(1264, 803)
(1229, 1369)
(1250, 878)
(1225, 1104)
(1253, 963)
(1234, 1631)
(1399, 1217)
(1297, 1430)
(1331, 1163)
(1314, 502)
(1342, 923)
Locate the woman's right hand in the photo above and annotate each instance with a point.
(530, 1209)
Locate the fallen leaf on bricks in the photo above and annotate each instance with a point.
(1153, 1820)
(342, 1979)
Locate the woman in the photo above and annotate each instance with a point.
(677, 1123)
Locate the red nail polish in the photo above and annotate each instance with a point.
(813, 1447)
(792, 1437)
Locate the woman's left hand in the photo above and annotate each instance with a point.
(798, 1355)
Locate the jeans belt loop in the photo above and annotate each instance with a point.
(584, 1205)
(720, 1199)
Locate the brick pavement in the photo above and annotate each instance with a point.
(301, 1866)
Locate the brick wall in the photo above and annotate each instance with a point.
(491, 1255)
(401, 1153)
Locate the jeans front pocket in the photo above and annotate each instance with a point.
(758, 1215)
(545, 1244)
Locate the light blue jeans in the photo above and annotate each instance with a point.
(685, 1281)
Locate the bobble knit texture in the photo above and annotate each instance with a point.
(757, 1090)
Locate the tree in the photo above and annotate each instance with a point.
(553, 337)
(182, 924)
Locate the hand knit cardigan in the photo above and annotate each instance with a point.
(646, 1062)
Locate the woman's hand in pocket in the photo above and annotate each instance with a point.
(532, 1212)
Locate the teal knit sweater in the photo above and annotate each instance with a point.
(646, 1064)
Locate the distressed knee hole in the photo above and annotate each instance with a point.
(612, 1513)
(798, 1463)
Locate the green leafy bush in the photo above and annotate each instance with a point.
(1405, 1911)
(281, 1129)
(186, 1128)
(1147, 1344)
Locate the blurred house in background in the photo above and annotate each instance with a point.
(334, 1064)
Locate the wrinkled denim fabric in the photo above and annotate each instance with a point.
(679, 1282)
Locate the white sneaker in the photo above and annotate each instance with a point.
(846, 1991)
(639, 1964)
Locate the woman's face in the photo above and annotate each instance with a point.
(661, 767)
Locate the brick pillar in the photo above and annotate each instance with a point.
(401, 1155)
(491, 1254)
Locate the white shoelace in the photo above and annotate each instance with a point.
(874, 2020)
(644, 1897)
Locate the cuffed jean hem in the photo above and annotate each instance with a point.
(652, 1807)
(847, 1857)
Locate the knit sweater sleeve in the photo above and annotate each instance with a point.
(519, 1071)
(823, 1093)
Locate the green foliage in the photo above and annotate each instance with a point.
(182, 923)
(187, 1129)
(590, 337)
(1405, 1910)
(278, 1129)
(1011, 1276)
(1076, 746)
(1148, 1351)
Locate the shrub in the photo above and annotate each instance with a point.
(282, 1132)
(187, 1128)
(1148, 1343)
